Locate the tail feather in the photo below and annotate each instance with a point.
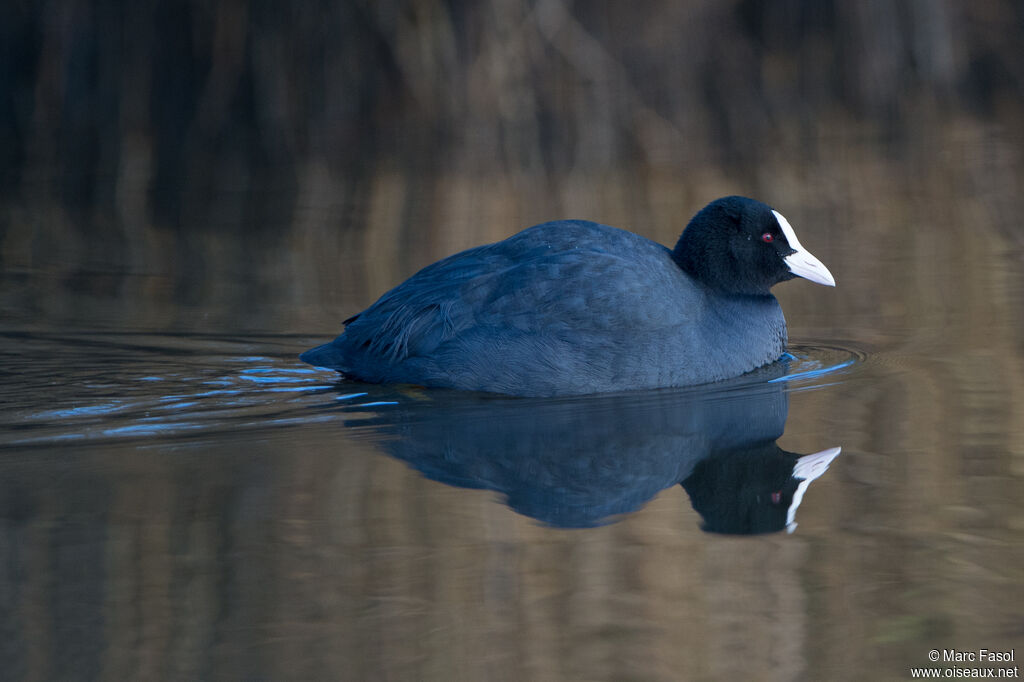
(328, 355)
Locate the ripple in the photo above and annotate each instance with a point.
(95, 387)
(99, 387)
(813, 366)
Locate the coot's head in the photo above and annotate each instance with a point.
(741, 246)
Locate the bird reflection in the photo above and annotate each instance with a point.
(756, 489)
(583, 462)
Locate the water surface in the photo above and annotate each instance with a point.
(186, 500)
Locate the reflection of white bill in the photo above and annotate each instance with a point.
(808, 468)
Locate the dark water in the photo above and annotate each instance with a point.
(184, 501)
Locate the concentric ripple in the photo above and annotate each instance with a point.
(818, 365)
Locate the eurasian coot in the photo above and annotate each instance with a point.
(574, 307)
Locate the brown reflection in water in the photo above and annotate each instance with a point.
(287, 564)
(314, 556)
(311, 555)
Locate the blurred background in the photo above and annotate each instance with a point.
(230, 152)
(190, 191)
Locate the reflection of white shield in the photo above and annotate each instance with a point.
(808, 468)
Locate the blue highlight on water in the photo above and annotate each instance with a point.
(251, 398)
(814, 373)
(82, 411)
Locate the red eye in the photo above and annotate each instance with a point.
(767, 238)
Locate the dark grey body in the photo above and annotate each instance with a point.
(562, 308)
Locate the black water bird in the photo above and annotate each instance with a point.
(574, 307)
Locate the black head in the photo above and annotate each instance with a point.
(741, 246)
